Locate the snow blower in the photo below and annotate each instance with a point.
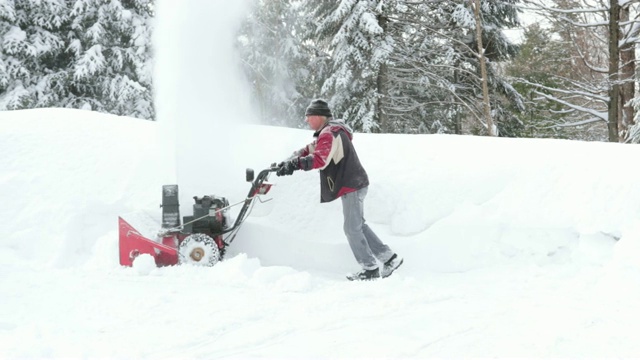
(202, 238)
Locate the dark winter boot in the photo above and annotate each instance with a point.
(365, 275)
(391, 265)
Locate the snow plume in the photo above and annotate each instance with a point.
(201, 95)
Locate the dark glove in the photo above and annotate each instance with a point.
(288, 167)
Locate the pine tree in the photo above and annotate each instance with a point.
(111, 44)
(597, 92)
(277, 62)
(31, 53)
(540, 61)
(352, 32)
(413, 69)
(86, 54)
(391, 66)
(505, 100)
(421, 96)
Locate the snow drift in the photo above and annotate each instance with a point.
(512, 247)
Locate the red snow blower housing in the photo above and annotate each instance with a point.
(202, 238)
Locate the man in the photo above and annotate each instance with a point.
(342, 176)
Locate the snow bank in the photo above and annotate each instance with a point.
(512, 247)
(453, 202)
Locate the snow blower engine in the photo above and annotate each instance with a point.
(202, 238)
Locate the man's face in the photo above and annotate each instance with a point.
(316, 121)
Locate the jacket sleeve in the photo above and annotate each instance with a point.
(320, 156)
(305, 151)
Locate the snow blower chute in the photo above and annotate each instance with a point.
(202, 238)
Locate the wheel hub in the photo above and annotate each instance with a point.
(197, 254)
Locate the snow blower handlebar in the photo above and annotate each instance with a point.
(258, 187)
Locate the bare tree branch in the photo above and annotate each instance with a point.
(599, 114)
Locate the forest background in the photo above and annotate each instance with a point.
(386, 66)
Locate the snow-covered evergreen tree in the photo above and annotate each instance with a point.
(353, 33)
(389, 66)
(111, 43)
(424, 71)
(31, 52)
(601, 39)
(88, 54)
(505, 100)
(539, 66)
(277, 62)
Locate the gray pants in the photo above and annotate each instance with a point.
(365, 244)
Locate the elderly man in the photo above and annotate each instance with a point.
(342, 176)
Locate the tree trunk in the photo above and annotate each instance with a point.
(614, 61)
(383, 88)
(458, 117)
(483, 69)
(627, 76)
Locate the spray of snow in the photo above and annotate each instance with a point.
(200, 94)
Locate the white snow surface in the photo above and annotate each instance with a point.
(512, 248)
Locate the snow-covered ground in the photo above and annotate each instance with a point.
(512, 247)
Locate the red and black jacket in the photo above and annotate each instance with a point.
(333, 153)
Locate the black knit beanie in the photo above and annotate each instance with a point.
(318, 107)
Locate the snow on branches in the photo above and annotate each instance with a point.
(88, 54)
